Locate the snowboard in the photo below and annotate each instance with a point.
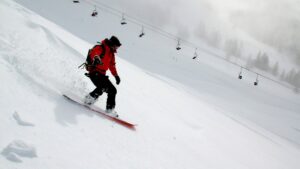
(79, 101)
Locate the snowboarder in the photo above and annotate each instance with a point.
(101, 58)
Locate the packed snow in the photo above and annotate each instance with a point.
(188, 114)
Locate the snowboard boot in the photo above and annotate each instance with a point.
(112, 112)
(89, 100)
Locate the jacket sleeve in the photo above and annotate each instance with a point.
(112, 67)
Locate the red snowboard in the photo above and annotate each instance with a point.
(77, 100)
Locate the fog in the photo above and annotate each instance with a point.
(273, 22)
(262, 35)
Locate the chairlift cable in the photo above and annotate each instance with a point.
(139, 22)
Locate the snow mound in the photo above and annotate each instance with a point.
(18, 149)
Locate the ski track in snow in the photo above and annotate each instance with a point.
(20, 121)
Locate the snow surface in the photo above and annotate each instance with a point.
(189, 114)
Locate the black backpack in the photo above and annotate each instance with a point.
(88, 58)
(89, 63)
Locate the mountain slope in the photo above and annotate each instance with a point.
(213, 80)
(177, 127)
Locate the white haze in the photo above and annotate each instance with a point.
(274, 22)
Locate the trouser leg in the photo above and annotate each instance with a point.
(98, 80)
(103, 84)
(111, 95)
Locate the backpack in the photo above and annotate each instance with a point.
(88, 58)
(89, 63)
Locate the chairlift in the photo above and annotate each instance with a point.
(256, 82)
(195, 54)
(178, 45)
(240, 75)
(142, 33)
(123, 21)
(95, 12)
(75, 1)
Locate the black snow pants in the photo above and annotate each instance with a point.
(103, 84)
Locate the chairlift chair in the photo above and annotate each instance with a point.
(195, 54)
(95, 13)
(240, 75)
(123, 21)
(178, 45)
(256, 82)
(142, 33)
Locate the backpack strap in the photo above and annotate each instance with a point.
(103, 51)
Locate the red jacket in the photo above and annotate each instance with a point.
(108, 58)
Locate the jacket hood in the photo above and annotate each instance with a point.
(107, 42)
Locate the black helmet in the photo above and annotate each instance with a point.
(115, 41)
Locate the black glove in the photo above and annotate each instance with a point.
(97, 61)
(118, 80)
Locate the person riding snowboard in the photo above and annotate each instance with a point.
(101, 58)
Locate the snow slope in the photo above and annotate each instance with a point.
(212, 121)
(207, 77)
